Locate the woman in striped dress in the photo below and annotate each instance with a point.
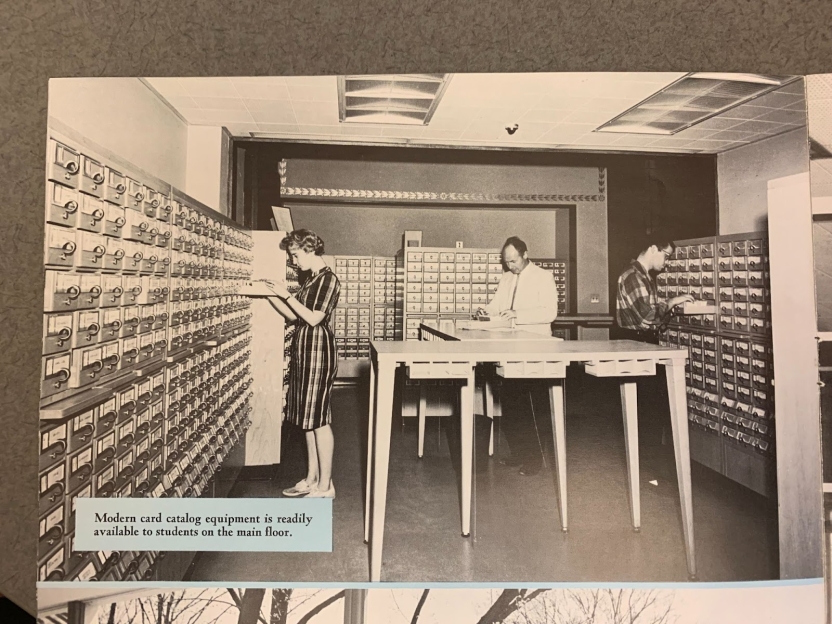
(314, 360)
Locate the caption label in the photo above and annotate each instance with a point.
(221, 524)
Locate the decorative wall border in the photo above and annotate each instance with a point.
(295, 191)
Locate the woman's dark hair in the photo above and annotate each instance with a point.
(303, 239)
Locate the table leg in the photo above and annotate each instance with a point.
(488, 408)
(370, 425)
(466, 413)
(559, 435)
(423, 412)
(381, 460)
(675, 372)
(629, 407)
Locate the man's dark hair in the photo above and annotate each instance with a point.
(518, 244)
(660, 239)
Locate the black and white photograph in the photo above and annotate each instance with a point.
(520, 328)
(267, 605)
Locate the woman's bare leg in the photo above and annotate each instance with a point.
(325, 442)
(312, 458)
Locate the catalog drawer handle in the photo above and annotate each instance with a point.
(71, 206)
(98, 178)
(71, 166)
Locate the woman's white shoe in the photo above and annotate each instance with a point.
(301, 488)
(316, 493)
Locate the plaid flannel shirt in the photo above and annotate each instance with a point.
(638, 306)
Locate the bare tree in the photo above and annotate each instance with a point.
(608, 606)
(190, 606)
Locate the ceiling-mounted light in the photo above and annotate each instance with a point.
(400, 99)
(691, 100)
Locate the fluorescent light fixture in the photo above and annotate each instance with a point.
(398, 99)
(691, 100)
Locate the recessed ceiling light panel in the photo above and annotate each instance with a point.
(691, 100)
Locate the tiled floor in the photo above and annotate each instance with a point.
(518, 536)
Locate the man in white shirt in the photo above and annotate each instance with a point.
(527, 294)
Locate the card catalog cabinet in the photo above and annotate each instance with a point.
(145, 379)
(370, 306)
(730, 372)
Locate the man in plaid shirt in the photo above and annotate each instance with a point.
(638, 307)
(644, 317)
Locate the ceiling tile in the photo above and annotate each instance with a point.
(545, 115)
(595, 138)
(262, 90)
(479, 135)
(636, 140)
(697, 132)
(314, 93)
(310, 81)
(274, 116)
(265, 106)
(358, 130)
(563, 132)
(407, 132)
(765, 127)
(719, 123)
(192, 115)
(440, 134)
(208, 87)
(639, 90)
(797, 118)
(562, 101)
(596, 118)
(671, 141)
(168, 87)
(779, 100)
(501, 115)
(710, 146)
(316, 113)
(216, 103)
(612, 106)
(450, 119)
(733, 135)
(286, 129)
(318, 129)
(766, 101)
(744, 112)
(181, 101)
(226, 116)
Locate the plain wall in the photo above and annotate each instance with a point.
(743, 175)
(127, 118)
(377, 230)
(207, 166)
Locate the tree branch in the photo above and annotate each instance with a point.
(419, 606)
(317, 609)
